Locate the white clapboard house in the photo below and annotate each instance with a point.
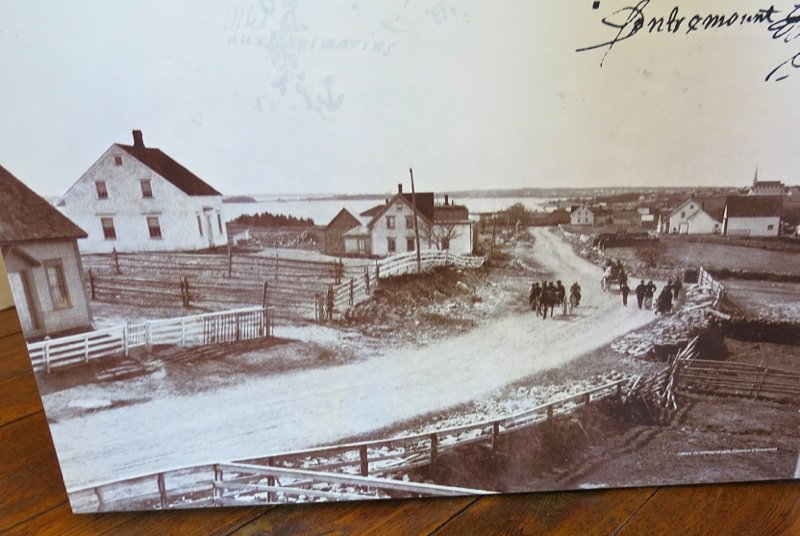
(752, 215)
(40, 250)
(137, 198)
(388, 229)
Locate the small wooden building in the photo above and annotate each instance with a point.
(40, 249)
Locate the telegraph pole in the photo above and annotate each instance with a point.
(416, 225)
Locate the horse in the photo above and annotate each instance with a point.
(547, 299)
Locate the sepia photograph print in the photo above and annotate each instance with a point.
(300, 251)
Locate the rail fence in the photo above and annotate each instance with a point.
(187, 331)
(294, 289)
(737, 379)
(361, 467)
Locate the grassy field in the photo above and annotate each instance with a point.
(766, 299)
(683, 254)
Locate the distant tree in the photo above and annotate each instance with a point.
(267, 219)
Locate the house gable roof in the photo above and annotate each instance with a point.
(404, 198)
(172, 171)
(343, 219)
(753, 206)
(450, 213)
(25, 216)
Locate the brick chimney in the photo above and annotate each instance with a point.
(446, 199)
(399, 187)
(138, 140)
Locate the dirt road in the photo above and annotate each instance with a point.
(310, 407)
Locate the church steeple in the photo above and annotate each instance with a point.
(755, 177)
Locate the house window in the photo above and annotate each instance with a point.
(770, 227)
(102, 190)
(409, 244)
(390, 222)
(219, 222)
(57, 283)
(409, 222)
(154, 227)
(108, 228)
(391, 245)
(399, 206)
(147, 188)
(200, 225)
(117, 160)
(683, 214)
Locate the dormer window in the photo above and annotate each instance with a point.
(117, 160)
(147, 189)
(102, 190)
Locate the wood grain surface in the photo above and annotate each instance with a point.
(33, 499)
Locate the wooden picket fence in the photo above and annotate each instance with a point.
(197, 330)
(360, 466)
(705, 279)
(358, 288)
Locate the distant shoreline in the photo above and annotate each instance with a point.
(540, 193)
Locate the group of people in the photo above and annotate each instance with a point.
(548, 295)
(646, 291)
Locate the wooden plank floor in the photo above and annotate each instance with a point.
(33, 500)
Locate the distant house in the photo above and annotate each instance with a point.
(582, 215)
(691, 217)
(137, 198)
(40, 249)
(752, 216)
(333, 237)
(629, 218)
(389, 229)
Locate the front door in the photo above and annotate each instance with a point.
(210, 228)
(26, 310)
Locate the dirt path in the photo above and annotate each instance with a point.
(310, 407)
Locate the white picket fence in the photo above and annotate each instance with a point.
(357, 290)
(196, 330)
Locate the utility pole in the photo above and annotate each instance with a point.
(416, 225)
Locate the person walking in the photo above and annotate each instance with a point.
(650, 291)
(625, 290)
(641, 289)
(676, 288)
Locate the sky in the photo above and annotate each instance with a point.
(335, 96)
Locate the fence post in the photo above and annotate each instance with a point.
(549, 411)
(238, 330)
(125, 339)
(217, 480)
(276, 266)
(92, 284)
(115, 256)
(188, 294)
(147, 341)
(270, 481)
(86, 349)
(366, 278)
(362, 454)
(495, 443)
(162, 491)
(230, 261)
(434, 451)
(352, 288)
(329, 302)
(377, 270)
(183, 333)
(47, 357)
(264, 294)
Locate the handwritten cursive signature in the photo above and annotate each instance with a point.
(629, 21)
